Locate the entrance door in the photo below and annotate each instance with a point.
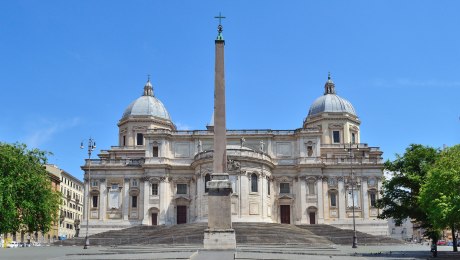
(154, 219)
(181, 214)
(312, 218)
(285, 211)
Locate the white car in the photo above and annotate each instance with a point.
(13, 244)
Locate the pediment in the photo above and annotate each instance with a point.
(286, 197)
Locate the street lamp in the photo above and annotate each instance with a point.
(349, 149)
(91, 147)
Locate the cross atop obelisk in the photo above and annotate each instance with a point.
(220, 17)
(219, 234)
(219, 27)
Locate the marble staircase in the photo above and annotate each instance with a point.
(246, 234)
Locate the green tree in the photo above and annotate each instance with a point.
(27, 201)
(400, 194)
(440, 194)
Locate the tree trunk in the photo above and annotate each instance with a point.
(454, 238)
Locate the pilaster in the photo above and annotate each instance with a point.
(364, 191)
(103, 199)
(342, 195)
(126, 199)
(319, 187)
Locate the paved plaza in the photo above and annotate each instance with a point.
(272, 252)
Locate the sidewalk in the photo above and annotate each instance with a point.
(271, 252)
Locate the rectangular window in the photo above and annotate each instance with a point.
(311, 188)
(333, 199)
(336, 136)
(95, 198)
(181, 188)
(94, 183)
(155, 151)
(114, 186)
(155, 189)
(134, 201)
(140, 139)
(134, 183)
(284, 187)
(353, 138)
(373, 199)
(124, 140)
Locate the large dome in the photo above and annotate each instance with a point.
(147, 105)
(331, 102)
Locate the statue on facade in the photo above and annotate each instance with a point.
(261, 148)
(200, 146)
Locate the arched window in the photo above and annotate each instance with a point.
(207, 178)
(254, 182)
(268, 186)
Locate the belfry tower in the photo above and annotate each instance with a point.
(219, 234)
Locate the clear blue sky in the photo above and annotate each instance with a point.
(68, 69)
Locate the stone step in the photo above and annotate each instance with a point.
(345, 236)
(246, 233)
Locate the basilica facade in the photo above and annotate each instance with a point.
(320, 173)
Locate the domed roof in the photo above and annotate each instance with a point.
(147, 105)
(330, 102)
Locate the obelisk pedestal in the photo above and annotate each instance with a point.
(219, 235)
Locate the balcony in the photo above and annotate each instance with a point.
(233, 132)
(354, 161)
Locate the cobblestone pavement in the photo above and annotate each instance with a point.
(246, 252)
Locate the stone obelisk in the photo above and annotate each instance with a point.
(219, 234)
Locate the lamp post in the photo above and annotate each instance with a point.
(91, 147)
(349, 149)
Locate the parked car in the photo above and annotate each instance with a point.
(13, 244)
(36, 244)
(442, 243)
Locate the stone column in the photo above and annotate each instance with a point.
(325, 209)
(126, 199)
(261, 202)
(145, 207)
(162, 192)
(319, 187)
(302, 215)
(342, 193)
(365, 198)
(103, 199)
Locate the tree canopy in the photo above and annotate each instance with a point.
(440, 193)
(400, 194)
(27, 201)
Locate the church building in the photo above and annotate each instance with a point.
(320, 173)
